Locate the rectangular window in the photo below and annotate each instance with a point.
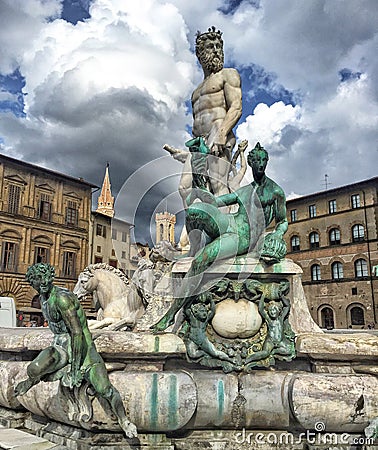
(41, 255)
(101, 230)
(123, 255)
(113, 263)
(114, 233)
(361, 269)
(9, 257)
(14, 195)
(44, 207)
(113, 252)
(124, 236)
(337, 271)
(315, 273)
(358, 233)
(312, 210)
(98, 259)
(293, 215)
(332, 206)
(69, 264)
(314, 240)
(354, 291)
(72, 214)
(99, 249)
(334, 236)
(355, 199)
(295, 244)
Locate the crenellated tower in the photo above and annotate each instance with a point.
(165, 227)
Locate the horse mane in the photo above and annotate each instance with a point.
(107, 267)
(126, 302)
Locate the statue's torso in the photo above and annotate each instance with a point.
(209, 103)
(266, 193)
(52, 311)
(53, 315)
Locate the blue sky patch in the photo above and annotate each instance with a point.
(262, 87)
(347, 74)
(11, 95)
(75, 11)
(230, 6)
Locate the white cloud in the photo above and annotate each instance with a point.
(267, 123)
(7, 97)
(20, 23)
(305, 44)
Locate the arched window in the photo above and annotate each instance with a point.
(315, 272)
(170, 232)
(161, 232)
(357, 316)
(295, 245)
(360, 268)
(337, 270)
(327, 318)
(358, 233)
(314, 239)
(334, 236)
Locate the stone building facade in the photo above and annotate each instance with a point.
(110, 242)
(44, 217)
(109, 236)
(332, 235)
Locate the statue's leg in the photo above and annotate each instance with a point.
(211, 350)
(48, 361)
(262, 354)
(219, 169)
(98, 378)
(222, 247)
(206, 217)
(284, 349)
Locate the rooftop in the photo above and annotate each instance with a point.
(347, 187)
(36, 168)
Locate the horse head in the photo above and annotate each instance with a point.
(110, 288)
(86, 283)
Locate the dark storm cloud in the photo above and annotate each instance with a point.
(128, 103)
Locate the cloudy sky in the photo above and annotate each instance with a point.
(83, 82)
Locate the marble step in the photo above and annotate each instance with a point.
(10, 438)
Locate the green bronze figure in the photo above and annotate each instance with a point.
(72, 358)
(232, 234)
(199, 348)
(276, 342)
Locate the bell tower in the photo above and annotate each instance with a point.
(105, 202)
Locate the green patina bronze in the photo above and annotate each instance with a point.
(279, 339)
(230, 234)
(72, 358)
(273, 340)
